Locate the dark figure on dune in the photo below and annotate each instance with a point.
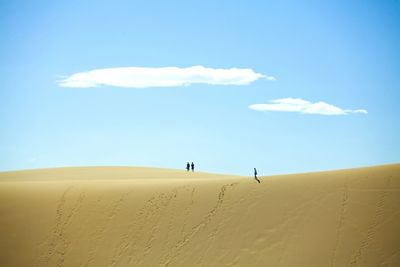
(192, 167)
(188, 166)
(255, 175)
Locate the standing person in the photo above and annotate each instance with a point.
(255, 175)
(188, 166)
(192, 167)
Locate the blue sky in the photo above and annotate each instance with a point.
(343, 53)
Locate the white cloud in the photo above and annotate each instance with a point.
(304, 107)
(33, 159)
(141, 77)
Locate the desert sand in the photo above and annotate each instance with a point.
(126, 216)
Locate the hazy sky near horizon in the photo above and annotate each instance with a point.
(284, 86)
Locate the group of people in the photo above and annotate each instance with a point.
(191, 166)
(188, 166)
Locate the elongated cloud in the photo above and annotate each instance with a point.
(304, 107)
(140, 77)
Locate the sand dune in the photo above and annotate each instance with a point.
(122, 216)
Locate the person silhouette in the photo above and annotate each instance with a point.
(255, 175)
(192, 167)
(188, 166)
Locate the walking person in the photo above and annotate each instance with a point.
(255, 175)
(192, 167)
(188, 166)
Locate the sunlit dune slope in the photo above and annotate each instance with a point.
(122, 216)
(104, 173)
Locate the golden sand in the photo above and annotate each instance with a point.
(123, 216)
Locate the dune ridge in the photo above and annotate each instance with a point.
(127, 216)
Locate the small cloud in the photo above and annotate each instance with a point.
(33, 159)
(361, 111)
(270, 78)
(304, 107)
(141, 77)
